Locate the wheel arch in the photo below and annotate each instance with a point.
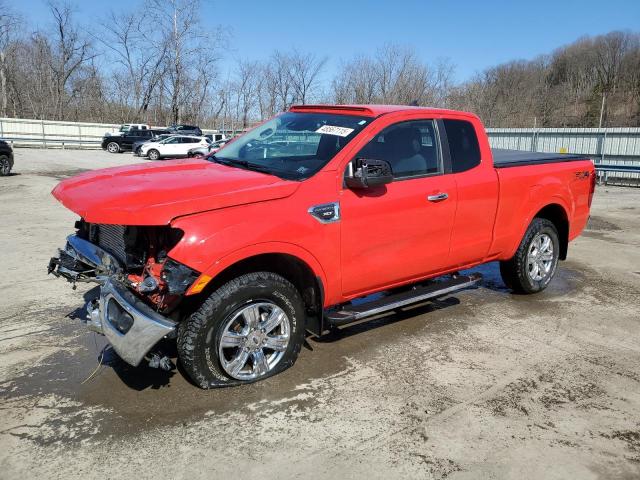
(302, 271)
(556, 214)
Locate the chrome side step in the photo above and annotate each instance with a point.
(353, 313)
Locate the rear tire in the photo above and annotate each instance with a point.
(532, 267)
(229, 339)
(113, 147)
(154, 154)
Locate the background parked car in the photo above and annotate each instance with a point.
(128, 127)
(203, 151)
(124, 142)
(157, 136)
(216, 137)
(6, 158)
(173, 147)
(185, 130)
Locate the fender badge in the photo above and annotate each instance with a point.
(326, 212)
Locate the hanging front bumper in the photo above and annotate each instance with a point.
(131, 326)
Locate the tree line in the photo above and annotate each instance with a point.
(121, 70)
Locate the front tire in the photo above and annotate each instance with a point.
(532, 267)
(154, 154)
(113, 147)
(249, 329)
(5, 165)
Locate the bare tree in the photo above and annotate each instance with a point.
(70, 52)
(280, 75)
(9, 21)
(267, 91)
(304, 71)
(162, 66)
(357, 82)
(573, 86)
(392, 75)
(188, 42)
(141, 56)
(245, 89)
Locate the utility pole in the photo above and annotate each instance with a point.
(601, 111)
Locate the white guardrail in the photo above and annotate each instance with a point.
(21, 132)
(615, 151)
(607, 147)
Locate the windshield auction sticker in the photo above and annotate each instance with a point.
(331, 130)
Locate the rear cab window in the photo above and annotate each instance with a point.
(464, 148)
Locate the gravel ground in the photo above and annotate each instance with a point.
(483, 384)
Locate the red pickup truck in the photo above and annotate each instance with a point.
(321, 216)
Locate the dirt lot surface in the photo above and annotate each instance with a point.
(484, 384)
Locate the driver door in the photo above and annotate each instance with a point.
(401, 231)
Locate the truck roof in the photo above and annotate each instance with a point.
(369, 110)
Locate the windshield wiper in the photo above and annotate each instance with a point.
(242, 164)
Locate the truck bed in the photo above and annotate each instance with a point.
(503, 158)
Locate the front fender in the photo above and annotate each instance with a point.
(213, 241)
(263, 248)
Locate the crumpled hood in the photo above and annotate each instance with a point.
(156, 193)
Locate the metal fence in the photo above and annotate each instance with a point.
(615, 151)
(52, 134)
(23, 132)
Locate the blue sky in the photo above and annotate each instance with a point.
(472, 34)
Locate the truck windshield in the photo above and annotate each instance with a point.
(293, 145)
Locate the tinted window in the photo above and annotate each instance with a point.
(410, 148)
(463, 145)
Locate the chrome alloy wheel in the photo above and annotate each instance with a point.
(254, 340)
(540, 257)
(113, 147)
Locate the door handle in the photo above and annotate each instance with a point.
(437, 197)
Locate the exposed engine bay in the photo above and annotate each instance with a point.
(136, 257)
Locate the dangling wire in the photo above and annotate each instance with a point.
(99, 361)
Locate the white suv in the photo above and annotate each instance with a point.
(172, 147)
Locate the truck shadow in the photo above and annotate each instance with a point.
(386, 319)
(137, 378)
(144, 377)
(491, 278)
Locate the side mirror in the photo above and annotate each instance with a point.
(368, 173)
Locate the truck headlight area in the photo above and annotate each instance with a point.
(178, 277)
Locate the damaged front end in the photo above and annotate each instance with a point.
(140, 286)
